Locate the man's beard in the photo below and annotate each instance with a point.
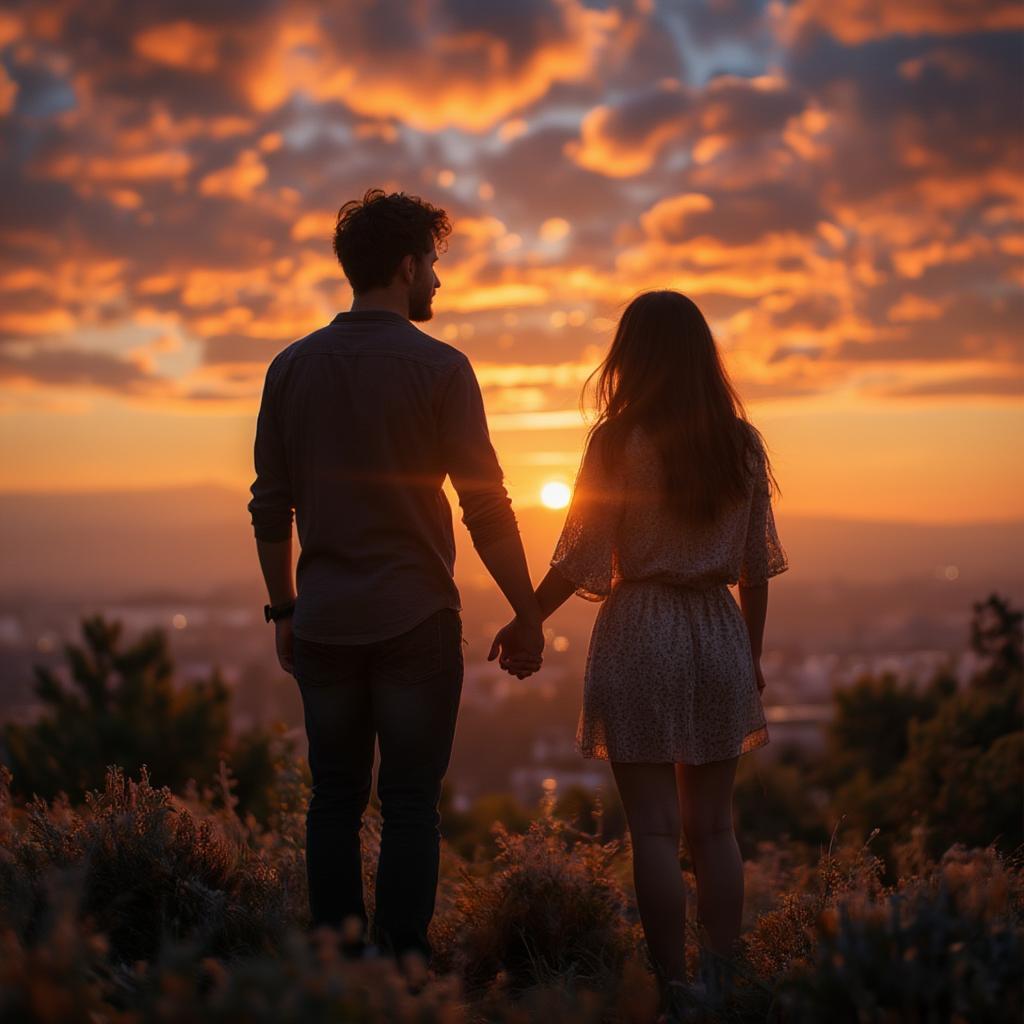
(421, 310)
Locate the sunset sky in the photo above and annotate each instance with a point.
(837, 183)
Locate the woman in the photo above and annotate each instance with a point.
(672, 504)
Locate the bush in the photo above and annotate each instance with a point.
(549, 909)
(942, 947)
(124, 707)
(143, 869)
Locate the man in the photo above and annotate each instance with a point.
(359, 424)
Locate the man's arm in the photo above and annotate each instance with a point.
(471, 463)
(272, 512)
(505, 560)
(276, 563)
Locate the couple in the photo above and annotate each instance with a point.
(360, 422)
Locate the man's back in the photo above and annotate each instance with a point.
(359, 425)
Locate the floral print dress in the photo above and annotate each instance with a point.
(669, 675)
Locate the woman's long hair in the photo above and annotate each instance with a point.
(663, 374)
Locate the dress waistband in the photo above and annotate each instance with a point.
(674, 584)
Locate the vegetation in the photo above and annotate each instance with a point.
(896, 894)
(122, 707)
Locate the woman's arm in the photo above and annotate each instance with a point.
(754, 605)
(553, 591)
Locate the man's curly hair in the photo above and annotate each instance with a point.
(374, 233)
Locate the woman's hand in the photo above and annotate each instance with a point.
(759, 675)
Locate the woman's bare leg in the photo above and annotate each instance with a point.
(705, 805)
(651, 803)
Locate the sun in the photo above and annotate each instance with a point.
(555, 494)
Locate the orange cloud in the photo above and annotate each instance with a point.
(50, 321)
(667, 218)
(452, 72)
(238, 180)
(8, 92)
(317, 224)
(127, 167)
(10, 27)
(614, 141)
(859, 21)
(179, 44)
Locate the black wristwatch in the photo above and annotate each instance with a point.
(273, 612)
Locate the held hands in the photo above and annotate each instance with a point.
(518, 647)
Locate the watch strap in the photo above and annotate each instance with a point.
(273, 612)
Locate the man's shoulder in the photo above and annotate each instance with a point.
(393, 338)
(438, 351)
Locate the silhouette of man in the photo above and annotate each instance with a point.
(360, 422)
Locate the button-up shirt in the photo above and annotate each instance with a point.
(359, 424)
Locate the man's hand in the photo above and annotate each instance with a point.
(283, 639)
(520, 646)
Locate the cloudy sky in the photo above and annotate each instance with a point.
(837, 183)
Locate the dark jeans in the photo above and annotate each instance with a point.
(405, 693)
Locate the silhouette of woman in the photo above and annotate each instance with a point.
(672, 503)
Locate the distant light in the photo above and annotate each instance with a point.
(179, 621)
(577, 318)
(446, 178)
(559, 318)
(549, 785)
(560, 643)
(951, 572)
(554, 229)
(555, 494)
(485, 191)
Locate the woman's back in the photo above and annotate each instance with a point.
(622, 527)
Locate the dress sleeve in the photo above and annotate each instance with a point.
(585, 553)
(763, 556)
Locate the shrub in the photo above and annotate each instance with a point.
(143, 869)
(942, 947)
(548, 910)
(124, 707)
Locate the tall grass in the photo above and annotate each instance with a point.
(143, 906)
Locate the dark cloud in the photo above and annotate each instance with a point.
(739, 217)
(626, 138)
(534, 179)
(973, 387)
(737, 108)
(913, 109)
(74, 367)
(242, 348)
(812, 312)
(714, 21)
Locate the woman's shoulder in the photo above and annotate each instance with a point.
(752, 440)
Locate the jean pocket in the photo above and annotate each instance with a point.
(318, 664)
(415, 655)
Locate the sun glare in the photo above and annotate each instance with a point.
(555, 494)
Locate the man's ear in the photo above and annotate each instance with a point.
(407, 269)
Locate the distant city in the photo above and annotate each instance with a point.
(518, 735)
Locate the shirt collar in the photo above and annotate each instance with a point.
(369, 315)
